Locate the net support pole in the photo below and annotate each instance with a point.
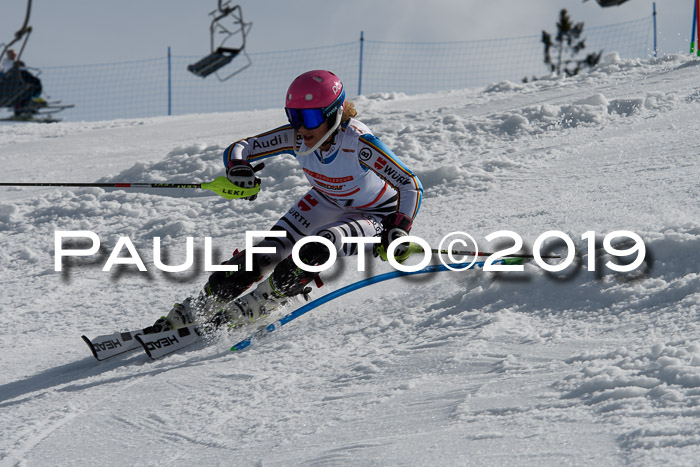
(654, 17)
(170, 84)
(362, 46)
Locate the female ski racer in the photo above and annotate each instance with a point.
(359, 188)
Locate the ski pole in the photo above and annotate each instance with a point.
(222, 186)
(415, 248)
(483, 253)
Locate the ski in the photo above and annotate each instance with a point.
(160, 344)
(39, 114)
(52, 108)
(111, 345)
(155, 345)
(30, 120)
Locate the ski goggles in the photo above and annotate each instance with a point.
(313, 118)
(308, 118)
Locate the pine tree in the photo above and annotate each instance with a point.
(567, 44)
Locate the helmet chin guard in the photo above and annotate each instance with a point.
(331, 130)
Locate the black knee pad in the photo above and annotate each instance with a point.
(227, 285)
(314, 253)
(291, 279)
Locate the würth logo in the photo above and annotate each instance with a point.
(379, 163)
(307, 203)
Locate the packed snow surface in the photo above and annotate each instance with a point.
(454, 368)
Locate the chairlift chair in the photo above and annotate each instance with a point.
(12, 85)
(222, 55)
(608, 3)
(20, 84)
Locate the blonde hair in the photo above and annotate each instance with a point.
(349, 111)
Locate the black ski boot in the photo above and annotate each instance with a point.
(222, 287)
(286, 281)
(179, 316)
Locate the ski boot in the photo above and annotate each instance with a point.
(203, 309)
(181, 315)
(266, 298)
(286, 281)
(222, 287)
(249, 308)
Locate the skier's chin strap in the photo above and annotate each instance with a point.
(338, 117)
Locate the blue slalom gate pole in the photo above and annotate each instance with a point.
(358, 285)
(697, 26)
(692, 34)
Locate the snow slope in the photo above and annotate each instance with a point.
(458, 368)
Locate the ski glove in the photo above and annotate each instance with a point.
(242, 174)
(395, 225)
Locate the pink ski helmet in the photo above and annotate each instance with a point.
(314, 97)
